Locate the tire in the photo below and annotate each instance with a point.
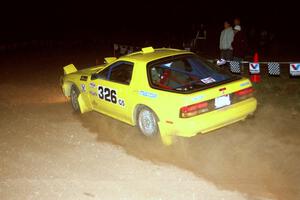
(147, 122)
(74, 98)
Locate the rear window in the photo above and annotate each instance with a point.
(185, 74)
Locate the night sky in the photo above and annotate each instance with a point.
(142, 19)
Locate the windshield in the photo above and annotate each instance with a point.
(185, 73)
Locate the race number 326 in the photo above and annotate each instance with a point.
(107, 94)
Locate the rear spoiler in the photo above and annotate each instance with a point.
(69, 69)
(108, 60)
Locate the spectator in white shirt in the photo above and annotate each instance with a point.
(226, 39)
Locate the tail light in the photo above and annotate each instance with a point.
(194, 109)
(209, 105)
(245, 93)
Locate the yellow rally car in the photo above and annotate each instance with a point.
(162, 91)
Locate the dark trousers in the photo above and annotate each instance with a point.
(226, 54)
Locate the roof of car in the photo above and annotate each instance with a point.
(149, 54)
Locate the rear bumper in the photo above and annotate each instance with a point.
(188, 127)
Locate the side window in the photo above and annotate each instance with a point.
(171, 75)
(104, 73)
(121, 72)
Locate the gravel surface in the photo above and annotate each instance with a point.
(48, 152)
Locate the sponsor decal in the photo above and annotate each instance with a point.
(147, 94)
(244, 84)
(93, 93)
(92, 85)
(208, 80)
(254, 68)
(83, 78)
(83, 88)
(121, 102)
(197, 98)
(295, 69)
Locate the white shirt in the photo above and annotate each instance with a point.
(226, 38)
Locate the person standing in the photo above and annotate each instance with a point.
(239, 44)
(200, 39)
(226, 38)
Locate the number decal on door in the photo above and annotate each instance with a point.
(100, 92)
(113, 96)
(107, 94)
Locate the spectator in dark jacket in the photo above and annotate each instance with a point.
(239, 44)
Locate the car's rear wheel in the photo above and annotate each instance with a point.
(147, 122)
(74, 98)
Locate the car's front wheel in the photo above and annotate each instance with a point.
(147, 122)
(74, 98)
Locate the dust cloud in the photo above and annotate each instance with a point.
(260, 155)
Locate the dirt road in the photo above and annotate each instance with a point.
(48, 152)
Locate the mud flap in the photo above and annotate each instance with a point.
(84, 103)
(166, 137)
